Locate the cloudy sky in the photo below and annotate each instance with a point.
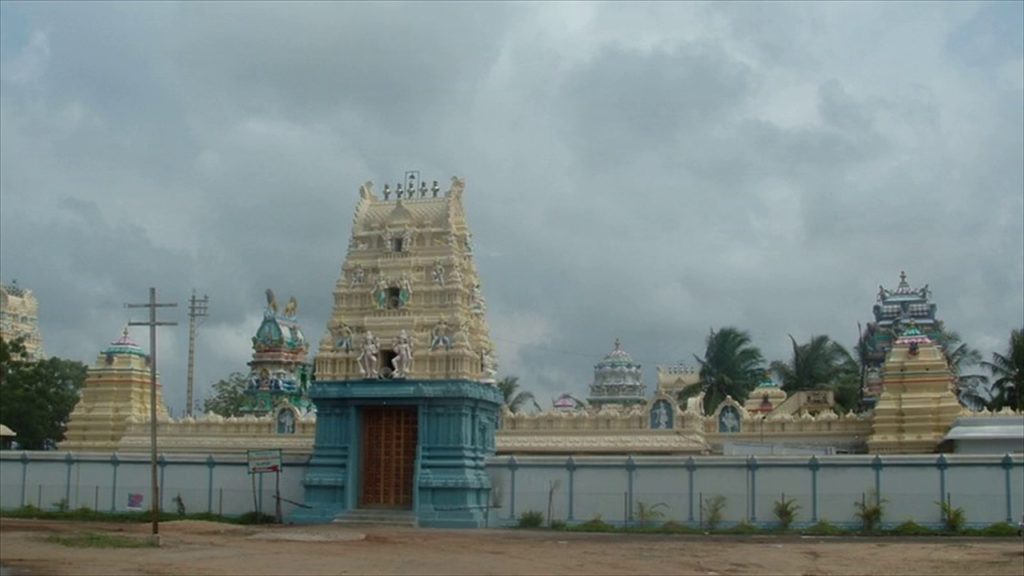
(642, 171)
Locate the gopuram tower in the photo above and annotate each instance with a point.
(404, 389)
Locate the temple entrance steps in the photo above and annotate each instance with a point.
(377, 517)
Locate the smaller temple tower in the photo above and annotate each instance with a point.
(917, 405)
(618, 381)
(19, 318)
(116, 392)
(279, 370)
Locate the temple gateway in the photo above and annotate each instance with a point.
(405, 397)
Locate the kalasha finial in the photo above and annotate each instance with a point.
(618, 345)
(124, 332)
(903, 277)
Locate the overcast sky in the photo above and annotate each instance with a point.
(642, 171)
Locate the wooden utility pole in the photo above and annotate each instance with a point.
(152, 323)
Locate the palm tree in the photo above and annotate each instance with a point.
(821, 362)
(731, 366)
(515, 400)
(1008, 371)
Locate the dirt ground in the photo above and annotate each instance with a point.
(191, 547)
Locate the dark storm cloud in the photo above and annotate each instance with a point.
(643, 171)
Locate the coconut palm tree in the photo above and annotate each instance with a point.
(1008, 371)
(731, 366)
(821, 362)
(970, 388)
(515, 400)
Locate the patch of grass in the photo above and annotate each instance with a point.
(595, 524)
(530, 519)
(96, 540)
(911, 528)
(253, 518)
(824, 528)
(558, 525)
(89, 515)
(673, 527)
(1000, 529)
(742, 528)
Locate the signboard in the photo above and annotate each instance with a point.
(261, 461)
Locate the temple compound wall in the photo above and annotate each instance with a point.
(990, 488)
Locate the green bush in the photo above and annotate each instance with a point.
(648, 513)
(179, 504)
(824, 528)
(869, 510)
(911, 528)
(714, 507)
(558, 525)
(742, 528)
(673, 527)
(595, 524)
(997, 529)
(953, 518)
(785, 511)
(530, 519)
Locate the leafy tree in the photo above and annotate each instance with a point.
(1008, 371)
(731, 366)
(515, 400)
(37, 397)
(227, 396)
(821, 363)
(970, 388)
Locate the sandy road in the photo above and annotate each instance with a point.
(191, 547)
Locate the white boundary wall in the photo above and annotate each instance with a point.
(990, 488)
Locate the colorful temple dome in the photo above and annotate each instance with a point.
(765, 397)
(617, 379)
(279, 371)
(124, 345)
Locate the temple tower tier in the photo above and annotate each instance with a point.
(917, 405)
(404, 373)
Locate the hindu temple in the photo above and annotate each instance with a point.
(116, 394)
(404, 392)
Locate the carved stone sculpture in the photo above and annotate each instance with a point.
(402, 362)
(368, 356)
(439, 336)
(438, 273)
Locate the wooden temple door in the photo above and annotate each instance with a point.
(389, 457)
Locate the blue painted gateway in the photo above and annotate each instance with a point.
(404, 373)
(413, 445)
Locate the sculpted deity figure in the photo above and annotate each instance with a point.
(456, 275)
(387, 191)
(434, 188)
(462, 334)
(458, 185)
(271, 302)
(398, 191)
(438, 273)
(402, 362)
(423, 189)
(661, 416)
(387, 236)
(380, 293)
(291, 308)
(488, 365)
(404, 291)
(439, 335)
(478, 305)
(406, 240)
(367, 359)
(366, 190)
(358, 275)
(342, 336)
